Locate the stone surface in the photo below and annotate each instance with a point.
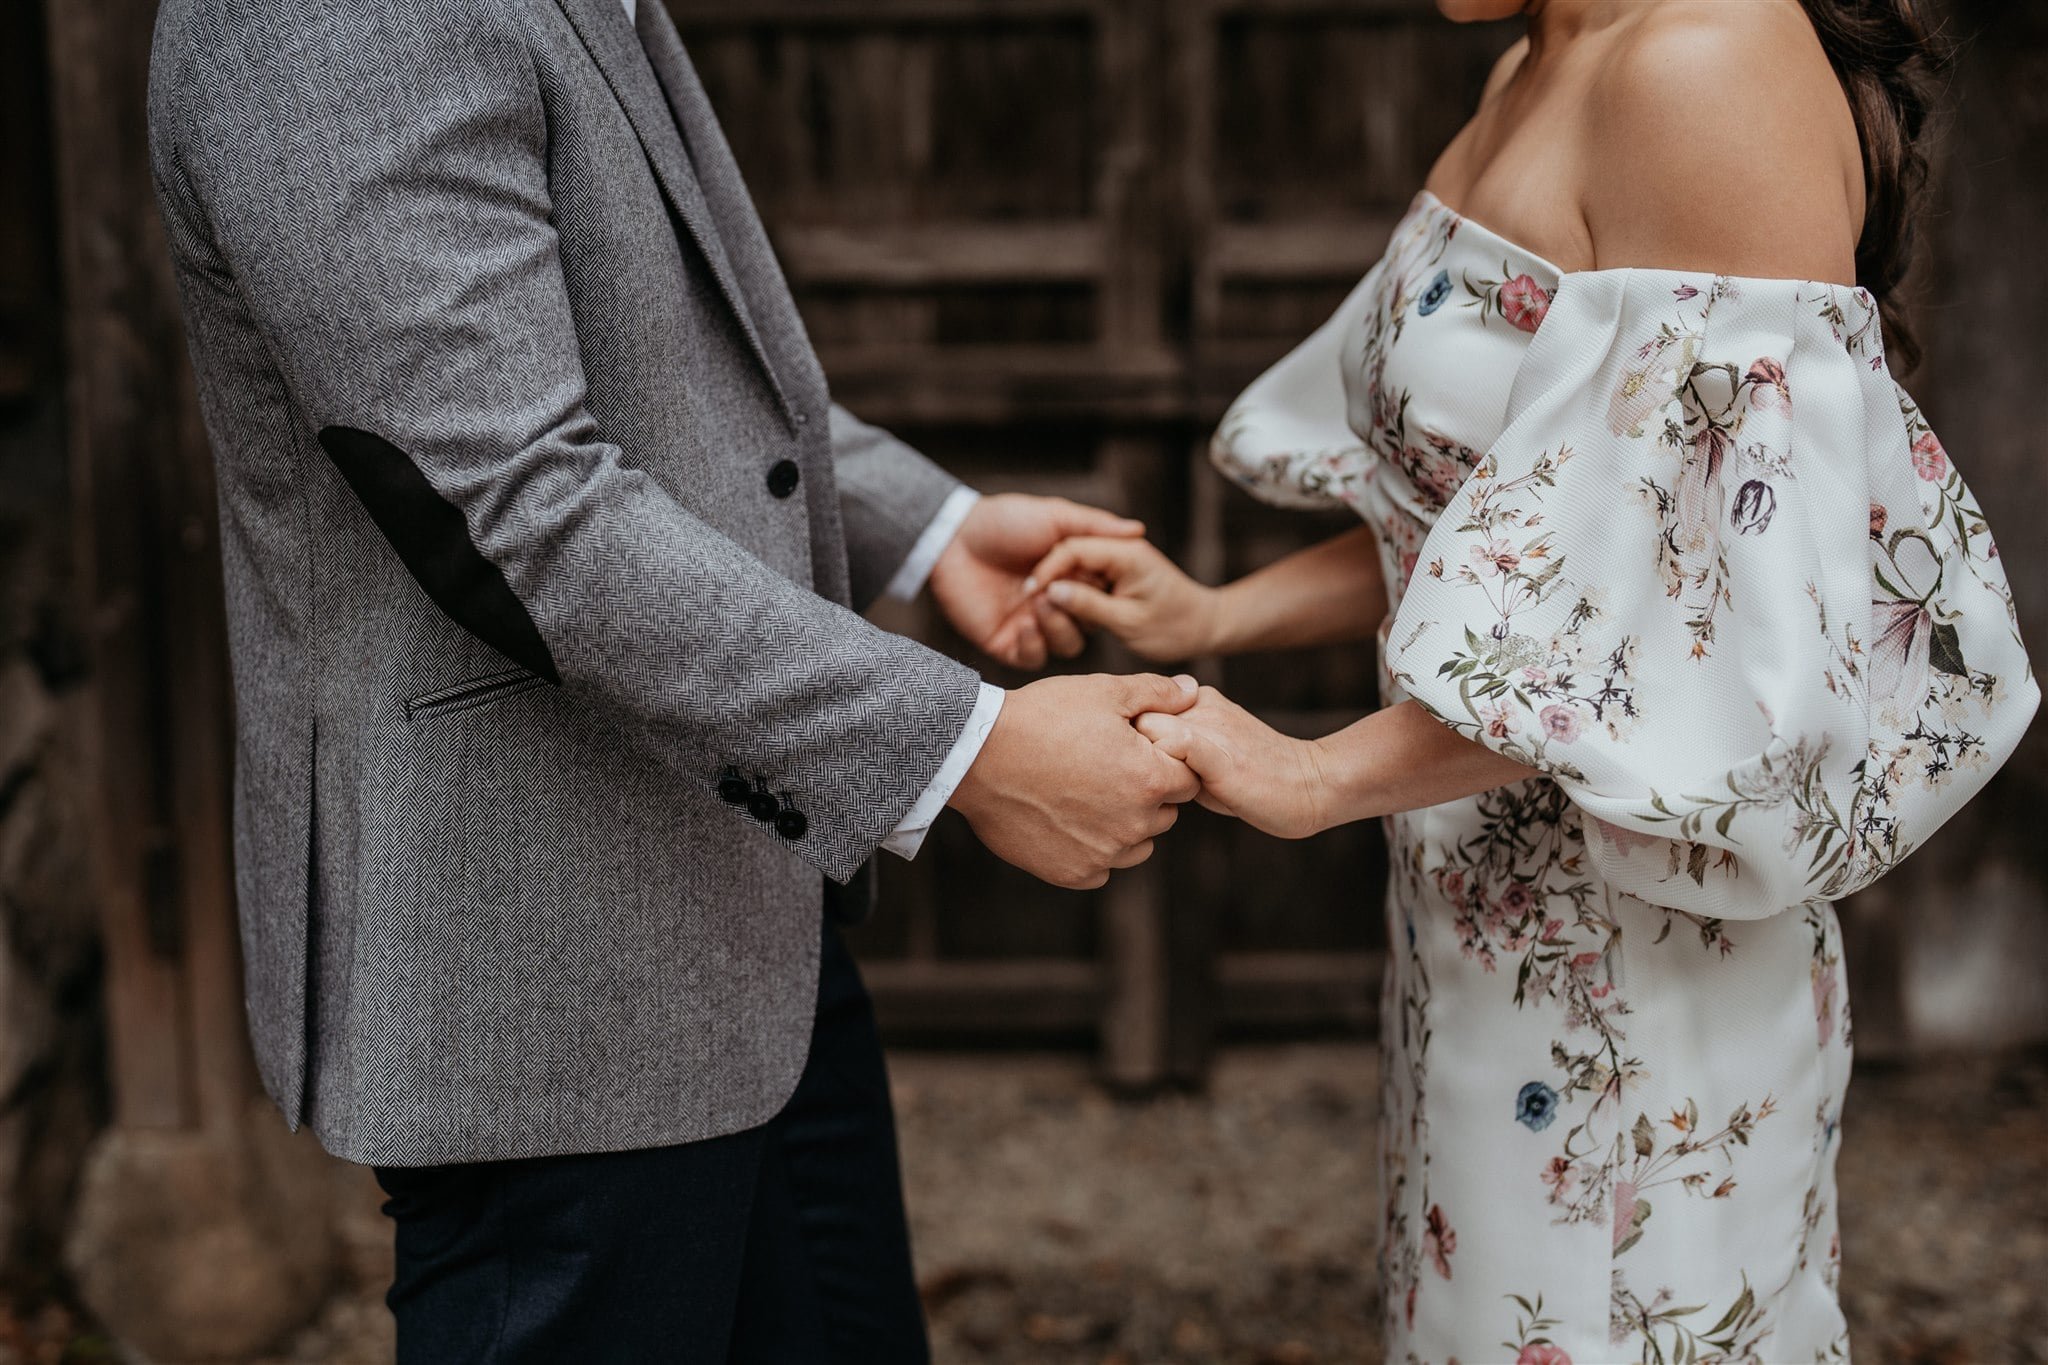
(199, 1246)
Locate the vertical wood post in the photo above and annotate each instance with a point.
(191, 1173)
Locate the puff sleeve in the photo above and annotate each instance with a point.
(1287, 439)
(1719, 579)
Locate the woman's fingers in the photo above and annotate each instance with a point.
(1090, 605)
(1090, 556)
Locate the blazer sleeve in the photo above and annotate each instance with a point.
(1719, 579)
(375, 178)
(888, 494)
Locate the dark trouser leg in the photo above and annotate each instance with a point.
(782, 1245)
(629, 1256)
(828, 1277)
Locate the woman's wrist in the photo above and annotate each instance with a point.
(1220, 619)
(1348, 777)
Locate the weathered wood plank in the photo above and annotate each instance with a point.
(1342, 248)
(935, 386)
(875, 13)
(124, 355)
(924, 254)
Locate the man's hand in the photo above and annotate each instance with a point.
(1066, 788)
(979, 581)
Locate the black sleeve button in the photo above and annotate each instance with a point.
(762, 806)
(783, 477)
(732, 787)
(791, 824)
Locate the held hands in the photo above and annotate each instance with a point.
(1249, 770)
(1126, 586)
(979, 581)
(1129, 588)
(1066, 788)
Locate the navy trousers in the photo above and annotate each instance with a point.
(782, 1245)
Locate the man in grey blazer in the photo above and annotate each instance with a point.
(558, 736)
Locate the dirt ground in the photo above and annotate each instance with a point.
(1055, 1225)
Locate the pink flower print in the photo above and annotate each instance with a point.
(1408, 566)
(1560, 1175)
(1494, 557)
(1439, 1240)
(1825, 982)
(1454, 884)
(1584, 960)
(1497, 719)
(1878, 518)
(1930, 461)
(1517, 900)
(1523, 302)
(1560, 722)
(1769, 377)
(1542, 1353)
(1551, 929)
(1624, 1211)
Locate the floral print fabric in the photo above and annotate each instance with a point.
(1680, 543)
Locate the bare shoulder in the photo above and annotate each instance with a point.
(1723, 142)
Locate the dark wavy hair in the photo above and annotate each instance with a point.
(1889, 59)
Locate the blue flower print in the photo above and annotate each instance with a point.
(1536, 1106)
(1434, 296)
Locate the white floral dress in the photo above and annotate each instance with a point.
(1682, 544)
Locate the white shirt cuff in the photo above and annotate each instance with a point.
(909, 836)
(938, 534)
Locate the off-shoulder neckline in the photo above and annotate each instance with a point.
(1560, 274)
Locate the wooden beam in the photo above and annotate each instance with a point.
(1011, 996)
(1310, 249)
(872, 13)
(923, 255)
(155, 747)
(933, 385)
(1301, 990)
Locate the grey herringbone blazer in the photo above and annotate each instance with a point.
(553, 711)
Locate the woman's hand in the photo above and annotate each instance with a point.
(1270, 781)
(1128, 588)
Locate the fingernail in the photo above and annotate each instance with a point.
(1187, 682)
(1030, 586)
(1059, 593)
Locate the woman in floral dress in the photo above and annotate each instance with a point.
(1689, 628)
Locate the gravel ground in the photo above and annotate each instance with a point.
(1057, 1226)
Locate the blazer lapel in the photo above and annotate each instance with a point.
(617, 50)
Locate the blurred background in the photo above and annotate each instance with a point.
(1047, 240)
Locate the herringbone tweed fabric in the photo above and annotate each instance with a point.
(497, 253)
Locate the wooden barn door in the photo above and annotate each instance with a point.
(1048, 240)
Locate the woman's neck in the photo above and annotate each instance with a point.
(1555, 24)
